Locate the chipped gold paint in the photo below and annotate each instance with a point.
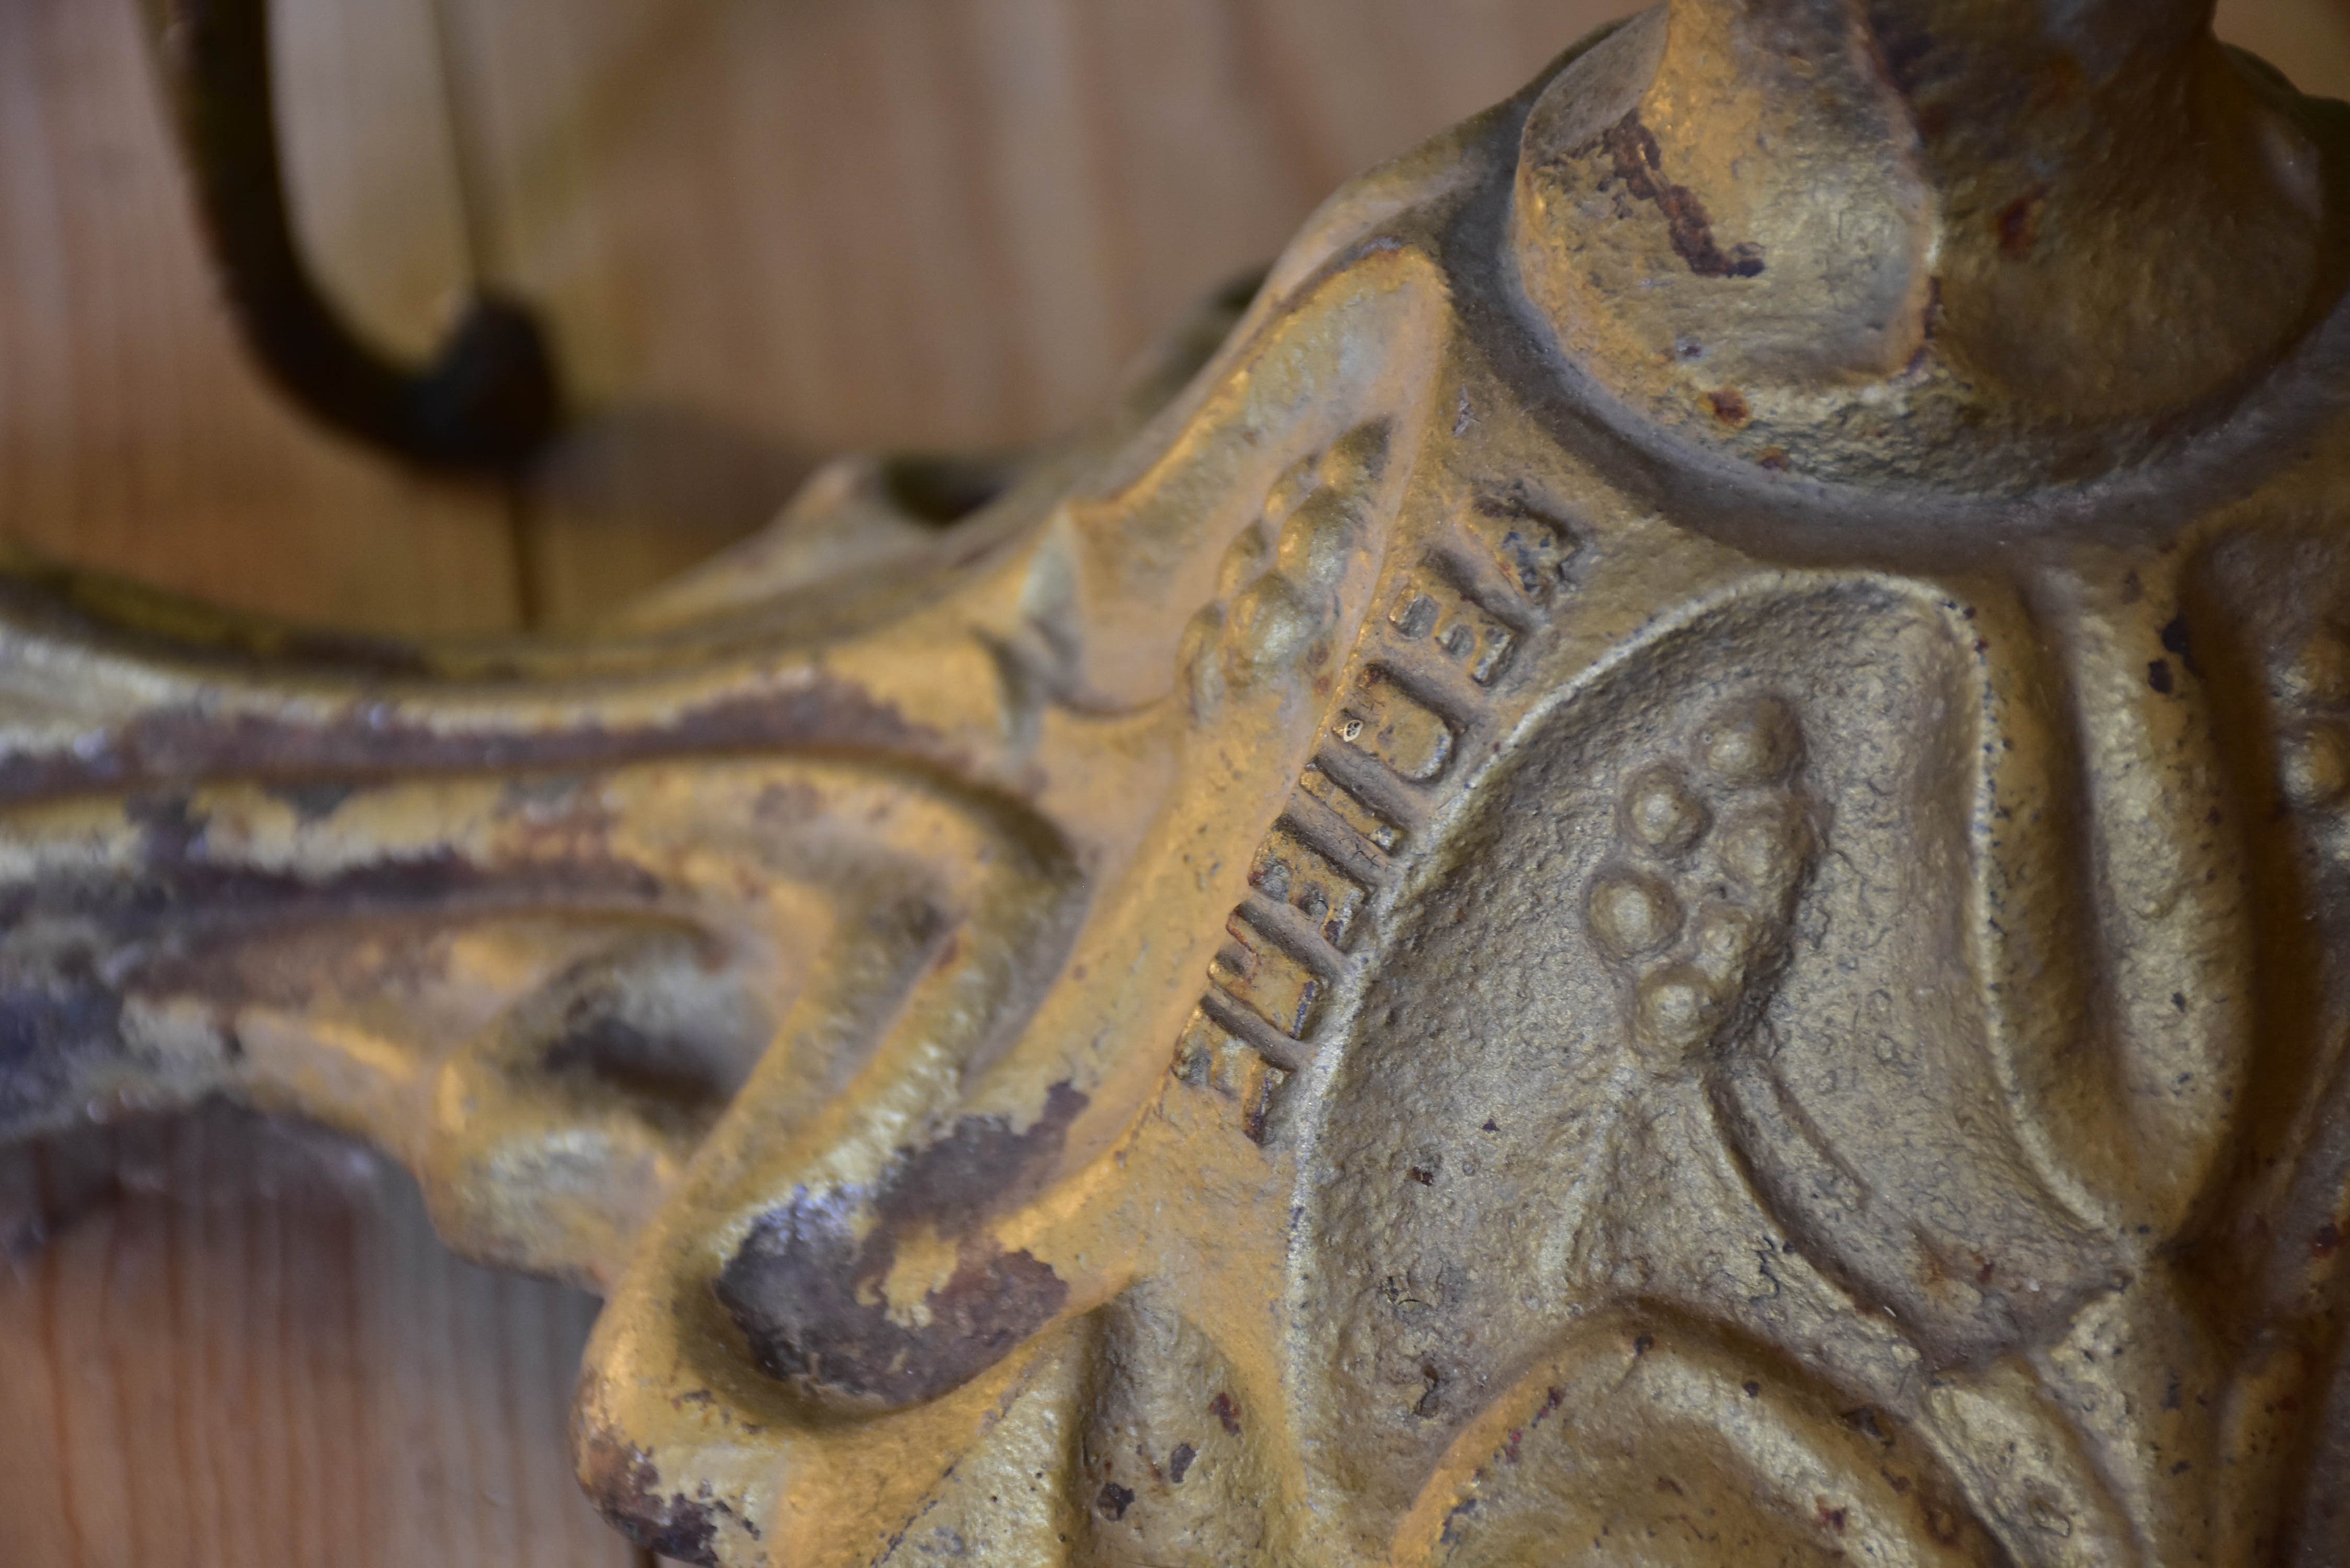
(1653, 869)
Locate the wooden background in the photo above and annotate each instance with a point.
(762, 230)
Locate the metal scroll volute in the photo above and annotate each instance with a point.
(1661, 863)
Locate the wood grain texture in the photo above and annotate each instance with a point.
(230, 1341)
(768, 231)
(2309, 40)
(762, 230)
(765, 232)
(132, 434)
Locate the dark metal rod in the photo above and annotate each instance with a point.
(489, 397)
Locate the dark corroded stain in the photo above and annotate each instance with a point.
(1255, 1116)
(1114, 1500)
(1536, 547)
(2018, 223)
(175, 883)
(1903, 47)
(1639, 163)
(1864, 1421)
(807, 1293)
(1730, 407)
(1431, 1403)
(54, 1029)
(1460, 1512)
(80, 943)
(2179, 641)
(2157, 675)
(1179, 1463)
(1227, 1413)
(374, 742)
(311, 802)
(623, 1482)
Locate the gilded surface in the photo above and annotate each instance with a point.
(1656, 869)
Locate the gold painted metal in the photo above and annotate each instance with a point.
(1658, 870)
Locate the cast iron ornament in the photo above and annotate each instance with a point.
(1656, 871)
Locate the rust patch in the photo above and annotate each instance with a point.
(2018, 223)
(2061, 81)
(177, 922)
(623, 1482)
(2179, 641)
(370, 741)
(809, 1295)
(311, 803)
(176, 884)
(1257, 1112)
(1226, 1413)
(1864, 1421)
(1729, 406)
(55, 1029)
(1639, 163)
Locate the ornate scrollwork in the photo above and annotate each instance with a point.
(1656, 875)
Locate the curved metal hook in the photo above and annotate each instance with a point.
(488, 398)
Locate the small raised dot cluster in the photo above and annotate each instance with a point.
(1713, 845)
(2313, 743)
(1276, 588)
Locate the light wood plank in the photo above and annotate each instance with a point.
(768, 231)
(371, 161)
(2309, 40)
(247, 1349)
(133, 437)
